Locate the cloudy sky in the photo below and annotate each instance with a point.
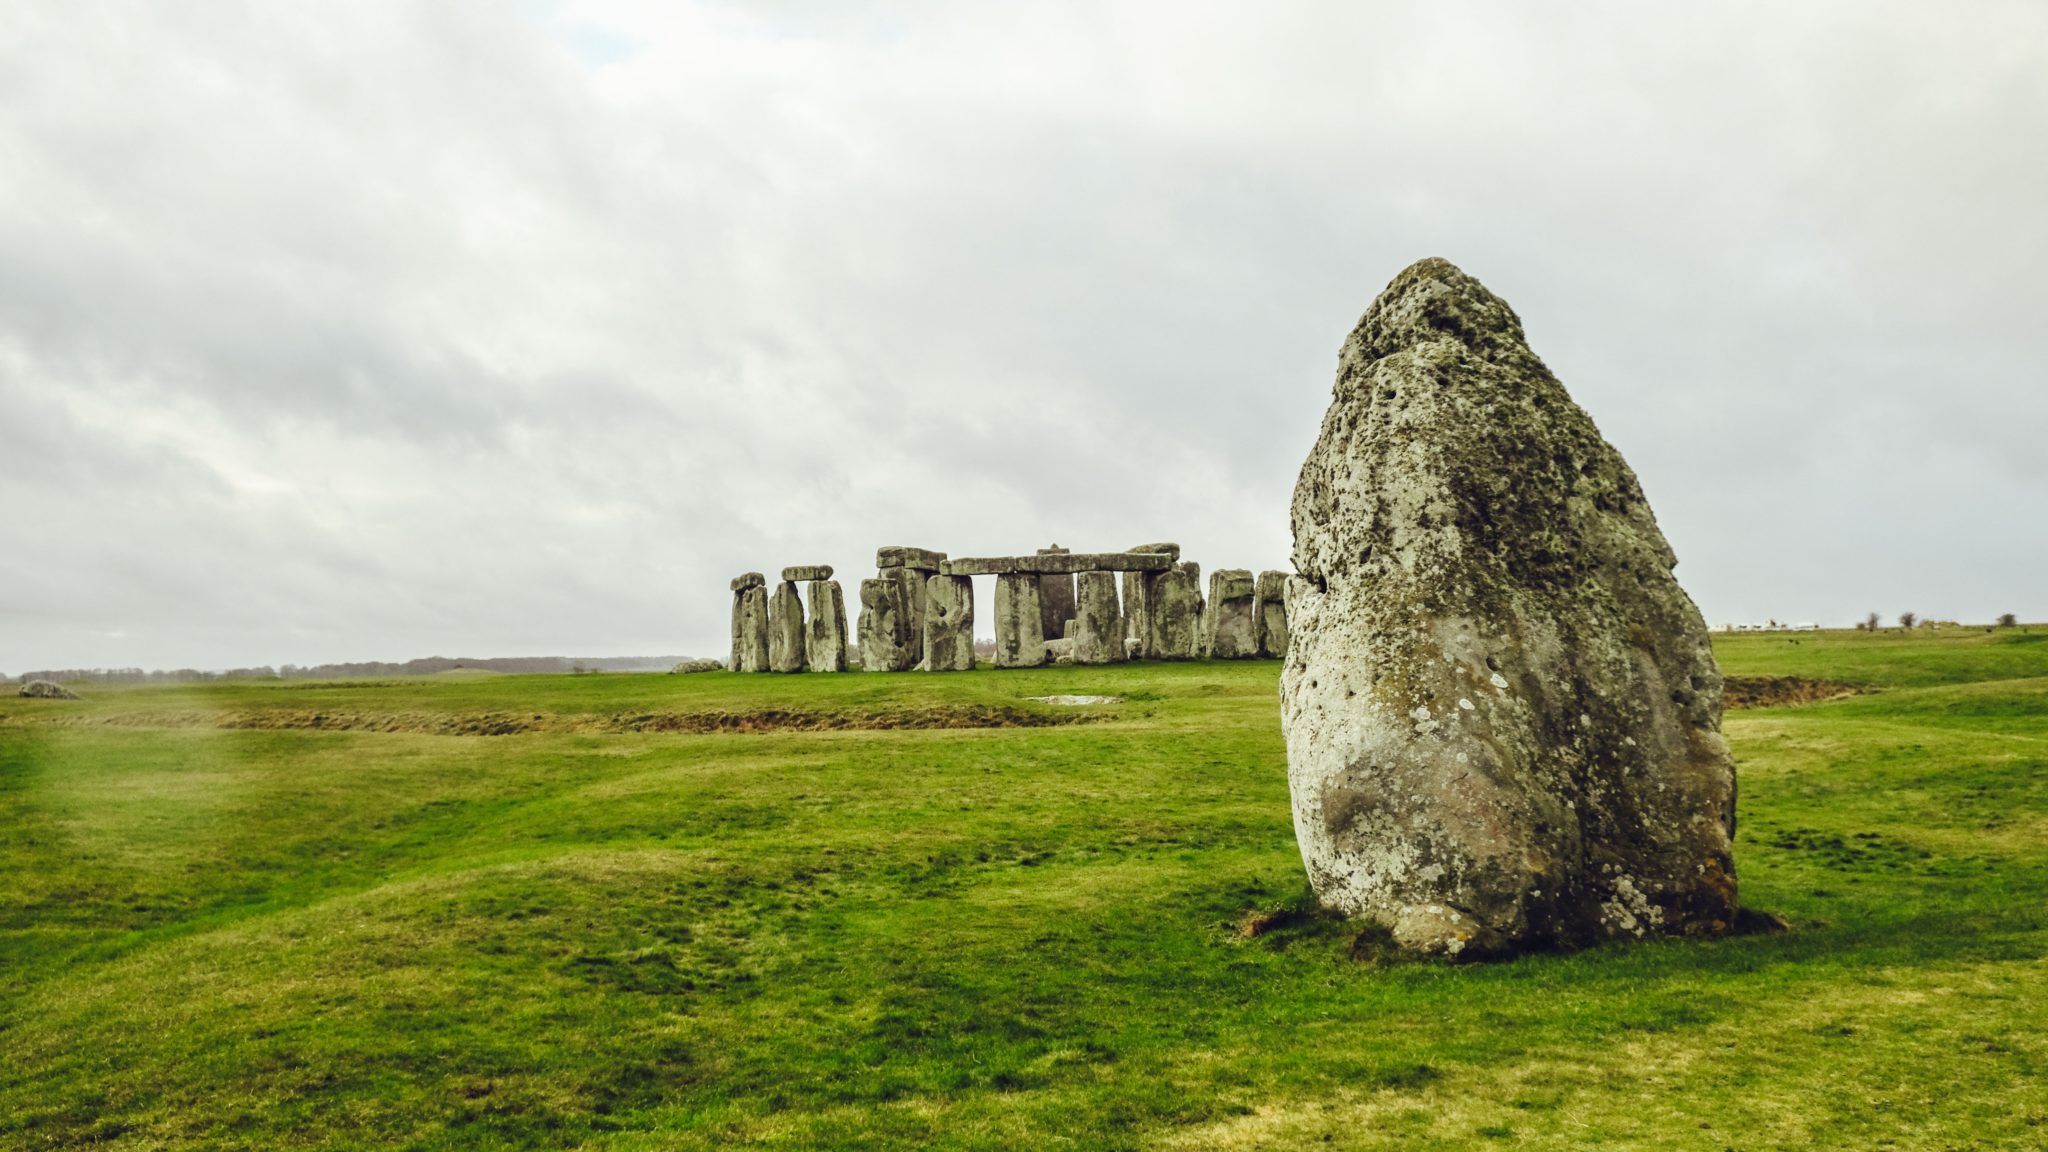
(378, 330)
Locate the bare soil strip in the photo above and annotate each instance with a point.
(514, 723)
(1780, 691)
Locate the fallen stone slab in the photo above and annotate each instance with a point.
(47, 690)
(1076, 701)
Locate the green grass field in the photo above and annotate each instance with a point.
(332, 915)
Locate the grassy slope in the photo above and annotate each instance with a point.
(972, 938)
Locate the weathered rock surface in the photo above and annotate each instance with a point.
(690, 667)
(750, 624)
(1054, 562)
(785, 629)
(1270, 615)
(904, 556)
(884, 626)
(825, 639)
(1502, 712)
(911, 582)
(1020, 640)
(1230, 623)
(1177, 613)
(1098, 625)
(807, 572)
(949, 624)
(1055, 598)
(1141, 593)
(1059, 651)
(750, 629)
(47, 690)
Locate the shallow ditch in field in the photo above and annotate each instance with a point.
(516, 723)
(1778, 691)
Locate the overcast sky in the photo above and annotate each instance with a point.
(378, 330)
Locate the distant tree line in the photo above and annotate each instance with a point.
(426, 666)
(1909, 620)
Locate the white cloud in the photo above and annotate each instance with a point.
(368, 332)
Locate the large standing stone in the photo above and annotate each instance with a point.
(913, 569)
(1230, 629)
(1502, 712)
(825, 642)
(785, 629)
(1055, 597)
(750, 624)
(949, 624)
(1141, 592)
(1177, 613)
(746, 630)
(910, 588)
(1270, 615)
(884, 626)
(1020, 635)
(1098, 626)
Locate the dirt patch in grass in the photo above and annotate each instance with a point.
(516, 723)
(1779, 691)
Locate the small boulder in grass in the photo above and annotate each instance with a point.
(47, 690)
(689, 666)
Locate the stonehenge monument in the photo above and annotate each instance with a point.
(917, 612)
(1229, 630)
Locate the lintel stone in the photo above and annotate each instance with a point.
(1058, 563)
(903, 556)
(749, 580)
(807, 572)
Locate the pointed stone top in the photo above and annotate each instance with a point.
(1432, 300)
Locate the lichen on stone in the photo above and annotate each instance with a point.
(1502, 711)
